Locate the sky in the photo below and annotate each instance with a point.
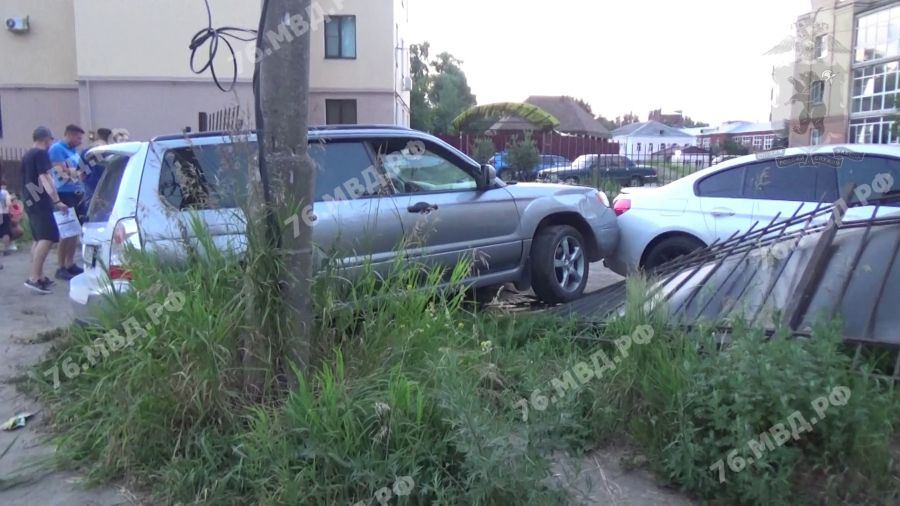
(704, 57)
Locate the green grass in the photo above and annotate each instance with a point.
(415, 383)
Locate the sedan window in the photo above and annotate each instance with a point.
(725, 184)
(882, 175)
(768, 181)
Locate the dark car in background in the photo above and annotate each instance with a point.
(500, 162)
(589, 168)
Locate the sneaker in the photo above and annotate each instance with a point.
(37, 286)
(74, 270)
(63, 274)
(47, 281)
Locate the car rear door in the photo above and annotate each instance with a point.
(725, 210)
(357, 221)
(445, 216)
(780, 192)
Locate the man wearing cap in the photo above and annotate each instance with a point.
(66, 162)
(39, 193)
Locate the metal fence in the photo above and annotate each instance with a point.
(229, 119)
(670, 163)
(11, 167)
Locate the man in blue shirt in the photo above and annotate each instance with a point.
(66, 161)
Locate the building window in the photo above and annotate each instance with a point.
(639, 147)
(757, 141)
(817, 92)
(340, 37)
(650, 147)
(769, 142)
(821, 49)
(873, 130)
(875, 88)
(340, 112)
(877, 35)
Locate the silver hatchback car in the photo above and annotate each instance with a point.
(377, 187)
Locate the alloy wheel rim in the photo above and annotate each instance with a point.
(569, 263)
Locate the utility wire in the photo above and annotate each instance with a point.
(213, 36)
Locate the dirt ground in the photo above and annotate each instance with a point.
(26, 322)
(26, 333)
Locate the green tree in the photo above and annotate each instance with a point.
(440, 90)
(522, 156)
(483, 150)
(608, 123)
(730, 147)
(420, 109)
(690, 123)
(583, 104)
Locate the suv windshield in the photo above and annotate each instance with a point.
(104, 199)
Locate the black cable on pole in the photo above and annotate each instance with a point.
(213, 36)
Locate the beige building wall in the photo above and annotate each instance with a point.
(157, 47)
(45, 56)
(37, 70)
(136, 74)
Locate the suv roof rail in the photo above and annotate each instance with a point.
(314, 128)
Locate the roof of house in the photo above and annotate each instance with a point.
(573, 119)
(649, 129)
(685, 150)
(738, 127)
(758, 127)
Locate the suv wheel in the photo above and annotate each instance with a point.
(559, 264)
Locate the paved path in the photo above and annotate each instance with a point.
(26, 322)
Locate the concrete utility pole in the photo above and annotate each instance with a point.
(281, 88)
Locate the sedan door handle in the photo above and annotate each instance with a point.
(422, 207)
(721, 212)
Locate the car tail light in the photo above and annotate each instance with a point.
(125, 237)
(621, 205)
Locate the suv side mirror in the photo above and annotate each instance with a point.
(488, 176)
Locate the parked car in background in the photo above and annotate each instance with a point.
(722, 158)
(448, 206)
(500, 163)
(588, 168)
(660, 224)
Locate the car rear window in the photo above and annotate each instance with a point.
(104, 199)
(206, 177)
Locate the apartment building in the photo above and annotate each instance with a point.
(842, 84)
(126, 64)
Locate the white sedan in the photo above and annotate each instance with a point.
(659, 224)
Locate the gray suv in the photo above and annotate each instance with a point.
(376, 187)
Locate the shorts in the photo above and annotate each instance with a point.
(5, 225)
(43, 226)
(77, 202)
